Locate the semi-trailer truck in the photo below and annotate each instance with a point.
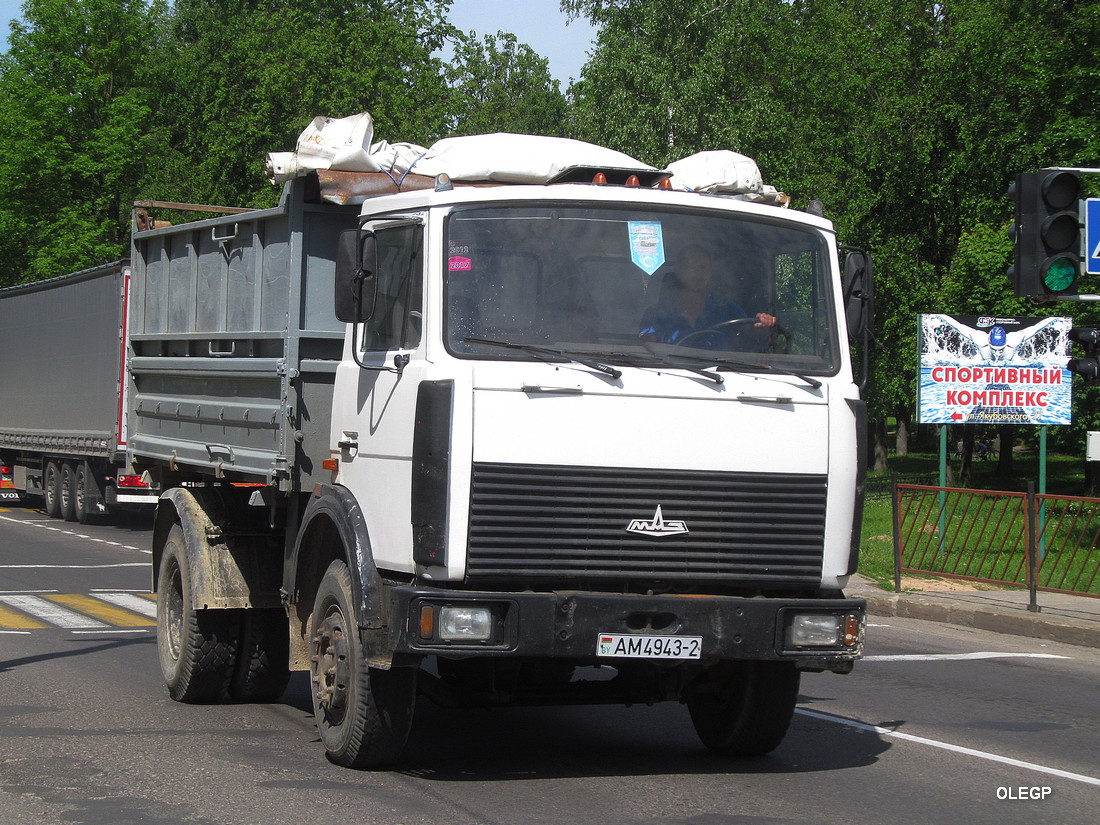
(63, 395)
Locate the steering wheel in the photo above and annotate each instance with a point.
(721, 326)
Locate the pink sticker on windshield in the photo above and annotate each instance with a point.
(459, 264)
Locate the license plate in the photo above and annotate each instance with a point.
(649, 647)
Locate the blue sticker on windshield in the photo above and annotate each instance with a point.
(647, 245)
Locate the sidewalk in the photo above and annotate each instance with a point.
(1072, 620)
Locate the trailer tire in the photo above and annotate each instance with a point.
(51, 489)
(197, 648)
(67, 491)
(746, 707)
(263, 658)
(364, 714)
(82, 513)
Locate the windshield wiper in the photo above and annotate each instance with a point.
(737, 365)
(660, 359)
(548, 354)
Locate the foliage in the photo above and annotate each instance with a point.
(75, 132)
(501, 85)
(244, 77)
(907, 119)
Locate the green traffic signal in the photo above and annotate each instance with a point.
(1060, 274)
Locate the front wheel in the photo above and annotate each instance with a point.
(744, 708)
(363, 714)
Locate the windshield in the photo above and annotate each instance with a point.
(638, 286)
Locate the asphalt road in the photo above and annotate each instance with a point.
(938, 725)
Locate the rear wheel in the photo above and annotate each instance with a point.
(82, 486)
(68, 491)
(51, 489)
(197, 648)
(744, 708)
(363, 714)
(262, 670)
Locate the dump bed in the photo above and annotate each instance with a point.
(235, 343)
(61, 363)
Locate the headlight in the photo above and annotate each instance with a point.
(813, 630)
(824, 630)
(462, 623)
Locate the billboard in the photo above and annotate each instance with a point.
(993, 370)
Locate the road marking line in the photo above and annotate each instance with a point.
(25, 592)
(131, 602)
(72, 566)
(920, 740)
(48, 524)
(957, 657)
(108, 632)
(15, 633)
(108, 612)
(49, 612)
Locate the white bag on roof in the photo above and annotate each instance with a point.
(504, 157)
(718, 172)
(342, 144)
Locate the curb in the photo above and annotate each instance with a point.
(1033, 625)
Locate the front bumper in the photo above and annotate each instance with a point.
(567, 625)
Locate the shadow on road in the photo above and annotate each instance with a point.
(475, 745)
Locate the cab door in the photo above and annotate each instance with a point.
(377, 391)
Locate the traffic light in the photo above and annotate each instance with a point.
(1046, 233)
(1089, 366)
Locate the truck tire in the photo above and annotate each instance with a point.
(363, 714)
(263, 657)
(51, 489)
(66, 493)
(82, 510)
(197, 648)
(745, 708)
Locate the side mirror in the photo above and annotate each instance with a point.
(859, 292)
(356, 283)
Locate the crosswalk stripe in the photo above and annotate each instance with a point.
(132, 602)
(102, 610)
(51, 613)
(17, 621)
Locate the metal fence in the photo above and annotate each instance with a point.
(1041, 542)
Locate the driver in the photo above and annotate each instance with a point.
(691, 307)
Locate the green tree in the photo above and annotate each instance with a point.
(501, 85)
(906, 118)
(76, 132)
(243, 78)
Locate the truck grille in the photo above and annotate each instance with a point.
(571, 524)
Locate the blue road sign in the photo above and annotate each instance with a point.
(1092, 236)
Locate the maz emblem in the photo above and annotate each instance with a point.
(657, 526)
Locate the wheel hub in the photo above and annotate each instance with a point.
(330, 665)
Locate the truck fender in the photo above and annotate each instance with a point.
(228, 568)
(333, 527)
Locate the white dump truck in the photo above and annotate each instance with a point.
(505, 421)
(62, 395)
